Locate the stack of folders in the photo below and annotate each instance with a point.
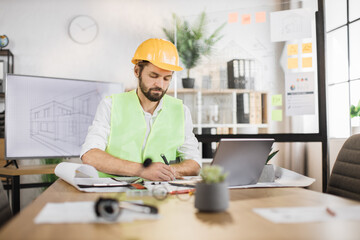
(241, 73)
(250, 107)
(2, 123)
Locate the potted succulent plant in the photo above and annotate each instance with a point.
(192, 42)
(355, 118)
(212, 194)
(268, 173)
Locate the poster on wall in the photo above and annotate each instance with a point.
(290, 24)
(300, 93)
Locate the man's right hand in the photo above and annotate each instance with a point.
(158, 172)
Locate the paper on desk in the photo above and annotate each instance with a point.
(83, 212)
(75, 173)
(309, 214)
(283, 178)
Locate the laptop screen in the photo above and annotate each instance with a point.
(243, 159)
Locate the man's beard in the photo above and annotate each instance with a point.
(154, 97)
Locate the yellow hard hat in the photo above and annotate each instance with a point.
(160, 52)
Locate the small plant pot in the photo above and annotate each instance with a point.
(188, 82)
(267, 174)
(212, 197)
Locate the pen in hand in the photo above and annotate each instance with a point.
(164, 158)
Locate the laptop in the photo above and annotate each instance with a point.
(243, 159)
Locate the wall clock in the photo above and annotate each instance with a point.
(83, 29)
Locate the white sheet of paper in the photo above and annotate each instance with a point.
(69, 172)
(83, 212)
(283, 178)
(290, 24)
(309, 214)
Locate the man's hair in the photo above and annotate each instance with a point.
(142, 64)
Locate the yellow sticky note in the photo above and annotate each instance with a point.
(276, 115)
(292, 49)
(233, 17)
(276, 100)
(307, 62)
(293, 63)
(307, 48)
(246, 19)
(260, 17)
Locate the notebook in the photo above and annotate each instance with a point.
(243, 159)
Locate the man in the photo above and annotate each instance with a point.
(144, 123)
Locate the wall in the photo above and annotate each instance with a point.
(39, 39)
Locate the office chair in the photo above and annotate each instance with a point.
(345, 176)
(5, 211)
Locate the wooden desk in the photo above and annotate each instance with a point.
(180, 220)
(14, 174)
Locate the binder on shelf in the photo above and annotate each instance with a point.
(263, 108)
(255, 108)
(241, 73)
(243, 107)
(249, 108)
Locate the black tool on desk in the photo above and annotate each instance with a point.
(164, 158)
(110, 209)
(182, 184)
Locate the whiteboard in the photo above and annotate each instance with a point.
(50, 117)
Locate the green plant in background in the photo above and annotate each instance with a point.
(213, 174)
(192, 40)
(355, 110)
(49, 178)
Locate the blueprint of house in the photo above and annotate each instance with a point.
(49, 117)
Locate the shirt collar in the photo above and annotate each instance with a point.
(157, 109)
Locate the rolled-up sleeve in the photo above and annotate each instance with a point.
(99, 131)
(190, 148)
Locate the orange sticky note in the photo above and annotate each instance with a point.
(260, 17)
(307, 62)
(233, 17)
(293, 63)
(307, 48)
(292, 49)
(245, 19)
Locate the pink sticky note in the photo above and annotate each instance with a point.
(233, 17)
(246, 19)
(260, 17)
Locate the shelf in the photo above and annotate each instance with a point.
(27, 170)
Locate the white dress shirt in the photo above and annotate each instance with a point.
(99, 131)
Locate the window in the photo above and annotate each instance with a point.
(343, 61)
(354, 13)
(337, 52)
(354, 45)
(336, 14)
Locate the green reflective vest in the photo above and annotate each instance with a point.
(128, 130)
